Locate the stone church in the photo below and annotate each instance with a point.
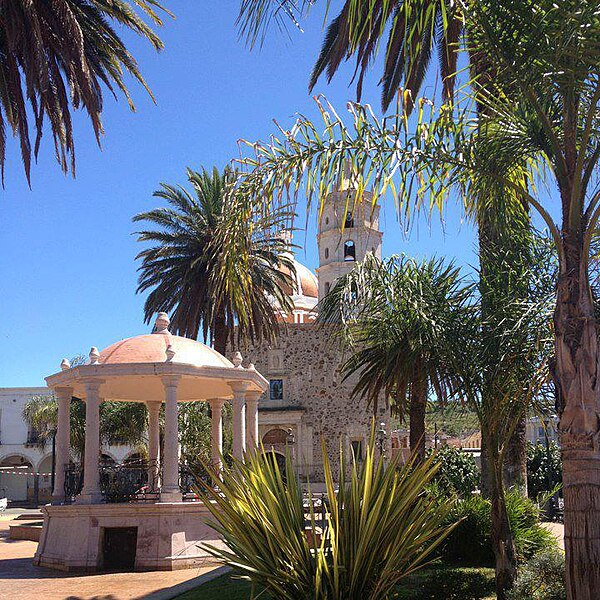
(307, 401)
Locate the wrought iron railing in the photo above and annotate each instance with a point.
(136, 481)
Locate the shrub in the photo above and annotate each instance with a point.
(380, 527)
(470, 542)
(449, 584)
(542, 461)
(542, 578)
(458, 473)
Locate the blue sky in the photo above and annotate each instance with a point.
(67, 249)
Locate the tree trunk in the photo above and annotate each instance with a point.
(220, 333)
(418, 405)
(515, 460)
(576, 374)
(502, 540)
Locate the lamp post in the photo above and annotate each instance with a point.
(381, 436)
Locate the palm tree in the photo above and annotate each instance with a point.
(57, 56)
(415, 32)
(120, 422)
(395, 317)
(215, 264)
(543, 110)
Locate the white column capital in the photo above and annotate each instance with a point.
(63, 392)
(238, 387)
(253, 396)
(170, 381)
(92, 385)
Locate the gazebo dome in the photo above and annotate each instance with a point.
(134, 369)
(152, 348)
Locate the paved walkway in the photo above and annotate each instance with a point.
(20, 580)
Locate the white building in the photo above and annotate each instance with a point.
(25, 464)
(538, 430)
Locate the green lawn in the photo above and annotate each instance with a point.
(441, 583)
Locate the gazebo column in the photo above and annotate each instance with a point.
(170, 491)
(216, 411)
(153, 444)
(252, 419)
(238, 420)
(91, 494)
(62, 443)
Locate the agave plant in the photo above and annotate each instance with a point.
(378, 525)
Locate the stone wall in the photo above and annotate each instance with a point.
(317, 404)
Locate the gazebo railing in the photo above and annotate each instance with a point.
(132, 482)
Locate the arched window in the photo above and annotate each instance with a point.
(349, 251)
(326, 252)
(349, 220)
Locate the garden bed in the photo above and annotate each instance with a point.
(449, 583)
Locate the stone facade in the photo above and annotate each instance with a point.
(308, 400)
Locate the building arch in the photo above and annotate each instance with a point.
(17, 479)
(349, 251)
(277, 436)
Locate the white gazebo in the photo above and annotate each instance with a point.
(154, 368)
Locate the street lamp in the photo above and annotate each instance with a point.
(381, 437)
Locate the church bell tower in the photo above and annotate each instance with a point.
(348, 229)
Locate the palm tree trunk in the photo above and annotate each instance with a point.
(515, 461)
(220, 332)
(576, 374)
(418, 405)
(502, 539)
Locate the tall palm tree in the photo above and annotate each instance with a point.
(416, 31)
(58, 56)
(208, 284)
(395, 318)
(543, 110)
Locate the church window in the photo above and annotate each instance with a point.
(327, 287)
(326, 252)
(349, 220)
(276, 389)
(326, 220)
(349, 251)
(357, 450)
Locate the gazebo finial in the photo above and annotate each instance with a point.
(170, 353)
(237, 360)
(65, 365)
(162, 323)
(94, 356)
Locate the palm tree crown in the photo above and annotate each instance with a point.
(396, 316)
(213, 264)
(57, 55)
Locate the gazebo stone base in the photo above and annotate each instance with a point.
(141, 537)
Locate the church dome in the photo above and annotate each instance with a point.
(156, 348)
(304, 294)
(306, 281)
